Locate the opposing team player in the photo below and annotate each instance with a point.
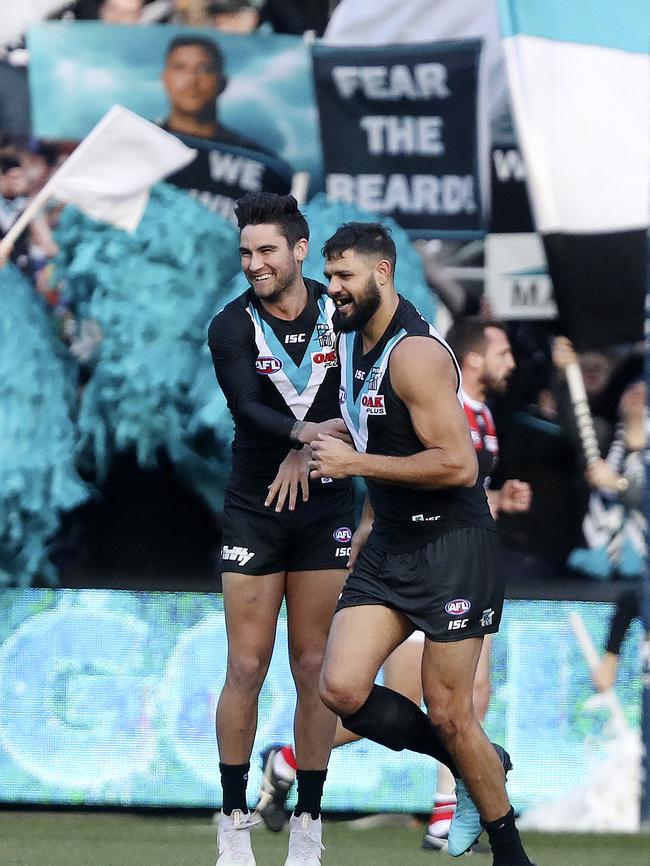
(431, 560)
(275, 359)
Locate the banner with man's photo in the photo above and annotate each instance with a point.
(258, 87)
(399, 131)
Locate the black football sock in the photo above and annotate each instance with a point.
(505, 842)
(393, 720)
(234, 778)
(310, 791)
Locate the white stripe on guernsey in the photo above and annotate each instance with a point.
(349, 423)
(299, 404)
(360, 436)
(581, 115)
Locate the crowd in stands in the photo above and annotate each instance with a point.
(584, 521)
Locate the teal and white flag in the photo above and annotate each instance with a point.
(580, 89)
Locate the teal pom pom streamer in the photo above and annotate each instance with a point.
(152, 293)
(38, 479)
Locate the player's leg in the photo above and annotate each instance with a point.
(401, 673)
(444, 802)
(311, 601)
(447, 679)
(251, 604)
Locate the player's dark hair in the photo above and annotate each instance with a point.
(467, 334)
(370, 239)
(210, 47)
(267, 208)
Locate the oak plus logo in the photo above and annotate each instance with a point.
(267, 364)
(325, 359)
(373, 404)
(240, 555)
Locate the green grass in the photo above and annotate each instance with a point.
(88, 839)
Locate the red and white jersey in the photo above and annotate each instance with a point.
(484, 436)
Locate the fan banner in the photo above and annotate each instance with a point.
(399, 132)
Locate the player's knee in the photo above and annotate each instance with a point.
(481, 698)
(449, 715)
(339, 695)
(247, 671)
(306, 667)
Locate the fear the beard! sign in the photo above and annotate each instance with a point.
(399, 131)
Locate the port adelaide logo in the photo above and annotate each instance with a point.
(267, 364)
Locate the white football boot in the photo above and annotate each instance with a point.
(234, 839)
(305, 844)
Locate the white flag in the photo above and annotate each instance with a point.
(111, 172)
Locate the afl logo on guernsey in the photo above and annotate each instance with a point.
(267, 365)
(342, 394)
(373, 404)
(343, 534)
(458, 607)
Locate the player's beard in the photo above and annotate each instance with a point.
(284, 279)
(493, 386)
(363, 309)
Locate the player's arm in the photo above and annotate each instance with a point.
(424, 377)
(362, 532)
(233, 355)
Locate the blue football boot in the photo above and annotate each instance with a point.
(466, 824)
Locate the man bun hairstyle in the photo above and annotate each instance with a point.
(267, 208)
(467, 334)
(369, 239)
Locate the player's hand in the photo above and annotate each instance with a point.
(601, 475)
(358, 540)
(515, 496)
(331, 457)
(293, 476)
(563, 353)
(310, 430)
(604, 674)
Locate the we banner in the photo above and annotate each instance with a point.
(222, 173)
(399, 131)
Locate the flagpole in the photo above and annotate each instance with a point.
(582, 412)
(30, 213)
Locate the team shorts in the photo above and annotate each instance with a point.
(451, 588)
(313, 537)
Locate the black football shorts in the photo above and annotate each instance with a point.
(313, 537)
(451, 588)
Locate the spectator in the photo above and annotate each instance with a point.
(628, 607)
(234, 16)
(298, 16)
(120, 11)
(614, 525)
(13, 201)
